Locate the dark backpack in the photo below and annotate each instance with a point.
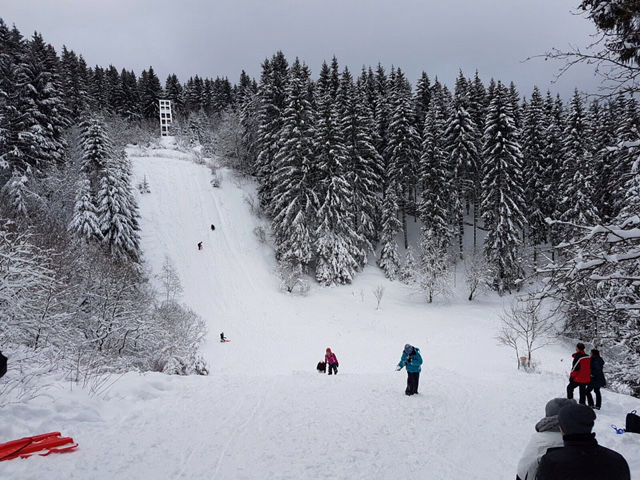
(633, 422)
(3, 365)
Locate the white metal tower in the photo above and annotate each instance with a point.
(165, 117)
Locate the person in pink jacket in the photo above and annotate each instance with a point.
(332, 361)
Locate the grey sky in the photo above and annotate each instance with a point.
(222, 37)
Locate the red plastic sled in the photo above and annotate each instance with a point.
(38, 445)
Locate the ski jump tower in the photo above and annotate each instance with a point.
(165, 117)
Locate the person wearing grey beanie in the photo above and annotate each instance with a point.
(546, 436)
(581, 457)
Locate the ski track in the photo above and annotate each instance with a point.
(263, 412)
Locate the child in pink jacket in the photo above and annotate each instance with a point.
(332, 361)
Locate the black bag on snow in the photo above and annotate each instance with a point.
(633, 422)
(3, 365)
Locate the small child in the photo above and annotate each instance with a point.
(332, 361)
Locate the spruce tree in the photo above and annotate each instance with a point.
(363, 162)
(577, 206)
(272, 96)
(337, 240)
(502, 203)
(294, 200)
(435, 179)
(535, 167)
(403, 147)
(461, 140)
(84, 222)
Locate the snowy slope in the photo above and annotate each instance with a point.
(263, 412)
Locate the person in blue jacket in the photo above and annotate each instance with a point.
(412, 360)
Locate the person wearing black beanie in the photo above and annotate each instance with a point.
(581, 458)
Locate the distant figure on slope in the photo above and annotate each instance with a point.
(411, 359)
(199, 245)
(580, 375)
(222, 337)
(597, 379)
(332, 361)
(213, 227)
(546, 436)
(581, 457)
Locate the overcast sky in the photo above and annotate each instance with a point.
(222, 37)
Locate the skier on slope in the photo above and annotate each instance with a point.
(411, 359)
(222, 337)
(331, 361)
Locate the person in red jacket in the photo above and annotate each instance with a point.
(580, 375)
(332, 361)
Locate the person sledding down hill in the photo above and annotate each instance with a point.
(411, 359)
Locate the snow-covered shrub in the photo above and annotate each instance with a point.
(291, 279)
(25, 369)
(260, 234)
(433, 274)
(216, 179)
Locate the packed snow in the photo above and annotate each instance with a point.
(264, 412)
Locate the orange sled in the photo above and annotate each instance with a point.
(39, 445)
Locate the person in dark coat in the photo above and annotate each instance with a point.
(581, 458)
(213, 227)
(199, 245)
(580, 375)
(597, 379)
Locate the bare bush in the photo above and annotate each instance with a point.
(260, 234)
(525, 329)
(254, 206)
(378, 292)
(477, 274)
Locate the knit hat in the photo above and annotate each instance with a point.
(407, 349)
(576, 419)
(554, 406)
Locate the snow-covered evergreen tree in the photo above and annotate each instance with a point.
(117, 209)
(338, 243)
(502, 203)
(84, 223)
(272, 104)
(403, 147)
(577, 206)
(295, 202)
(535, 167)
(389, 260)
(435, 177)
(461, 142)
(363, 163)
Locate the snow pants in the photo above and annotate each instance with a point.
(412, 383)
(582, 388)
(591, 388)
(333, 367)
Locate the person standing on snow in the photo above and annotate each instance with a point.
(331, 361)
(546, 436)
(581, 457)
(411, 359)
(580, 375)
(199, 245)
(597, 379)
(213, 227)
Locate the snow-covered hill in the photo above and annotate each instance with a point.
(263, 412)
